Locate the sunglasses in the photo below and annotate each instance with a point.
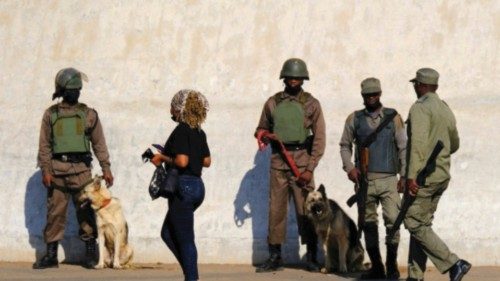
(371, 95)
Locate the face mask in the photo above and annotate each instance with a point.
(71, 96)
(294, 90)
(372, 107)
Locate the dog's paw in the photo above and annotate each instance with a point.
(99, 266)
(324, 270)
(118, 266)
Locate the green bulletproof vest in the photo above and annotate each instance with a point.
(289, 119)
(68, 131)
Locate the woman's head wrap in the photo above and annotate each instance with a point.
(192, 107)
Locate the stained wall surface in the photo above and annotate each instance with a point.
(137, 54)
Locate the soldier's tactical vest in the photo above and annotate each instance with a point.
(68, 131)
(383, 151)
(289, 119)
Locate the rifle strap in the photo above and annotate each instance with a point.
(372, 137)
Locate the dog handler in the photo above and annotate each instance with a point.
(294, 117)
(187, 149)
(386, 160)
(69, 129)
(430, 119)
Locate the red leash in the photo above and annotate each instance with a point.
(284, 153)
(289, 160)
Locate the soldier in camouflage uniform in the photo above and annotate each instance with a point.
(430, 119)
(68, 130)
(387, 159)
(294, 117)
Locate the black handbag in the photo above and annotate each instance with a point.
(164, 182)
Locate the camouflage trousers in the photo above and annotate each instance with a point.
(383, 191)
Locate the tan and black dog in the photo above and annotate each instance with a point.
(337, 232)
(112, 228)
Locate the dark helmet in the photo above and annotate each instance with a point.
(69, 78)
(294, 68)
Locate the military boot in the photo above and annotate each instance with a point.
(90, 253)
(391, 262)
(377, 270)
(459, 269)
(274, 262)
(50, 258)
(311, 257)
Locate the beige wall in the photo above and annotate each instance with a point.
(137, 54)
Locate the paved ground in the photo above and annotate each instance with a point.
(156, 272)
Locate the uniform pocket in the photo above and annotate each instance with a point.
(60, 168)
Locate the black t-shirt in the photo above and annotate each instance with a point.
(190, 142)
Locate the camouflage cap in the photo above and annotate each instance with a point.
(427, 76)
(370, 85)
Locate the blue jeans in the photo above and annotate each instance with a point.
(178, 227)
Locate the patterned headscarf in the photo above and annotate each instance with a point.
(192, 105)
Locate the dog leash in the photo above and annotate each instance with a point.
(284, 153)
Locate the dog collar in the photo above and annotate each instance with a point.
(105, 203)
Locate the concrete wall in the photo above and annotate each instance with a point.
(137, 54)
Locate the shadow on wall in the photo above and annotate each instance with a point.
(252, 202)
(35, 218)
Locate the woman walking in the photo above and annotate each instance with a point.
(187, 149)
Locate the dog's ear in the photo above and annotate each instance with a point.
(321, 190)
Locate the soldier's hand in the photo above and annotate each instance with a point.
(353, 175)
(47, 179)
(269, 137)
(412, 186)
(108, 177)
(401, 185)
(261, 135)
(304, 178)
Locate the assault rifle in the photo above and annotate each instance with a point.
(362, 188)
(408, 200)
(362, 183)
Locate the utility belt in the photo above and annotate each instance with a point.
(294, 146)
(74, 158)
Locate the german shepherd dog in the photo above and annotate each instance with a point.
(112, 229)
(337, 232)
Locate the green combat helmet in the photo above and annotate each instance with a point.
(294, 68)
(69, 78)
